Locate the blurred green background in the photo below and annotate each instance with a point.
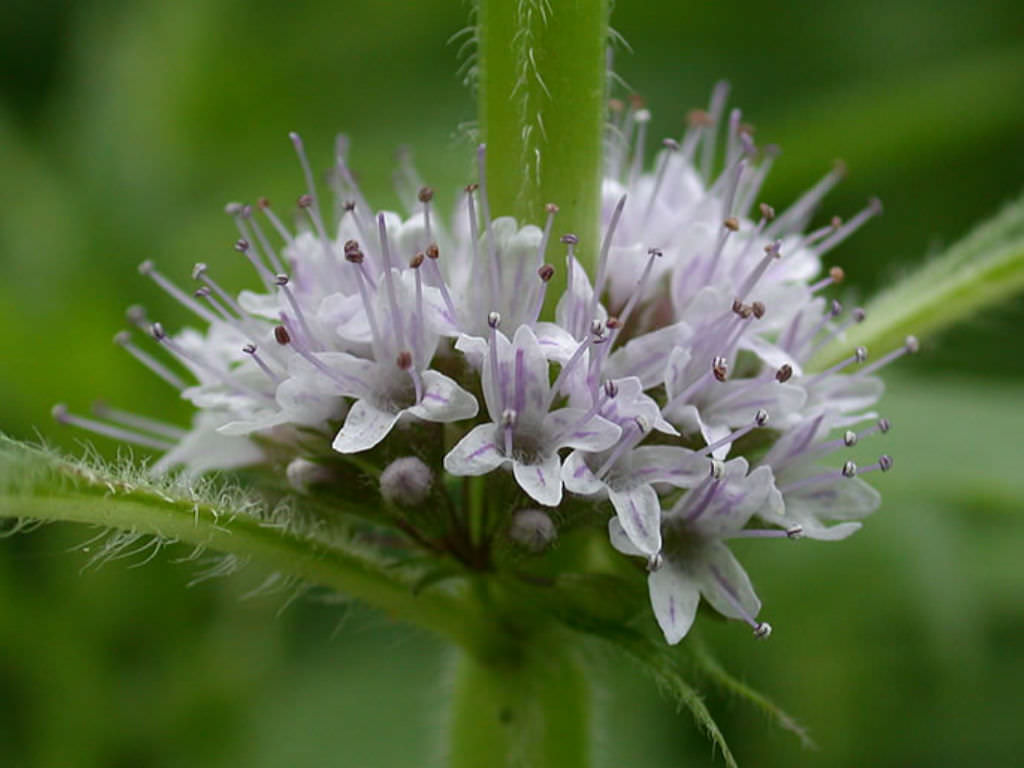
(125, 127)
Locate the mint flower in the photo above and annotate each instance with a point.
(672, 380)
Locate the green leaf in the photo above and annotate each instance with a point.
(708, 665)
(39, 485)
(983, 269)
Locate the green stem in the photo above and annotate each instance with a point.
(529, 710)
(542, 92)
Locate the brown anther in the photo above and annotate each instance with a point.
(404, 360)
(732, 224)
(840, 167)
(748, 128)
(354, 255)
(699, 118)
(546, 272)
(613, 323)
(758, 309)
(569, 239)
(426, 194)
(471, 188)
(432, 251)
(636, 101)
(351, 245)
(737, 306)
(416, 261)
(551, 208)
(837, 274)
(263, 203)
(305, 201)
(655, 252)
(281, 335)
(348, 206)
(241, 245)
(720, 368)
(835, 222)
(767, 211)
(784, 374)
(616, 105)
(745, 311)
(670, 144)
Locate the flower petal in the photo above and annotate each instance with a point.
(365, 426)
(541, 480)
(674, 597)
(578, 476)
(567, 427)
(639, 513)
(724, 583)
(444, 400)
(475, 454)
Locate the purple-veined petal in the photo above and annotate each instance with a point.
(578, 476)
(724, 583)
(477, 453)
(674, 597)
(365, 426)
(542, 480)
(443, 400)
(639, 513)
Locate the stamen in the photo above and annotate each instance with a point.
(794, 533)
(874, 207)
(508, 423)
(760, 419)
(160, 335)
(405, 363)
(282, 283)
(286, 337)
(910, 346)
(493, 321)
(859, 356)
(250, 349)
(835, 276)
(485, 209)
(545, 273)
(124, 339)
(396, 317)
(242, 246)
(264, 205)
(128, 419)
(432, 254)
(634, 299)
(314, 205)
(425, 195)
(856, 316)
(542, 250)
(796, 215)
(771, 253)
(597, 331)
(203, 292)
(761, 629)
(671, 146)
(638, 430)
(641, 117)
(63, 416)
(602, 263)
(354, 255)
(884, 464)
(147, 268)
(714, 113)
(262, 238)
(199, 272)
(654, 562)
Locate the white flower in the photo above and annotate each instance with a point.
(689, 341)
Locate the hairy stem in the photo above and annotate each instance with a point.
(529, 710)
(541, 106)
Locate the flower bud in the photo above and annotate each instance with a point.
(406, 481)
(532, 529)
(303, 474)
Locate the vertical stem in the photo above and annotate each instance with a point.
(542, 89)
(530, 711)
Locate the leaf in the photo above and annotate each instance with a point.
(661, 663)
(712, 668)
(39, 485)
(983, 269)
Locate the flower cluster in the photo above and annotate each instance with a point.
(671, 381)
